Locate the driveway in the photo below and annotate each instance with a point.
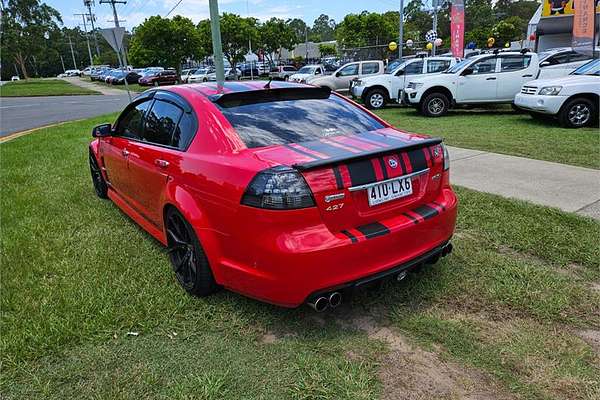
(23, 113)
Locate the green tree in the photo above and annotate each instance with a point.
(323, 29)
(275, 35)
(508, 29)
(327, 49)
(299, 28)
(26, 25)
(164, 42)
(479, 15)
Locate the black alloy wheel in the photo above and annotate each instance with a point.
(578, 113)
(187, 257)
(435, 105)
(100, 185)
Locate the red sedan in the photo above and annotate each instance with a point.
(286, 193)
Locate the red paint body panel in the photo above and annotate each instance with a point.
(277, 256)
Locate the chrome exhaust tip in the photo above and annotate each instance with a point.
(335, 299)
(319, 304)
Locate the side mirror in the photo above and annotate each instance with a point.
(102, 130)
(544, 63)
(401, 72)
(467, 71)
(338, 74)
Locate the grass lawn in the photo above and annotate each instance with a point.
(134, 87)
(502, 130)
(514, 311)
(41, 87)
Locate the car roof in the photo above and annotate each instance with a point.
(208, 89)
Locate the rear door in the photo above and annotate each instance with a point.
(345, 75)
(115, 150)
(515, 70)
(371, 68)
(168, 129)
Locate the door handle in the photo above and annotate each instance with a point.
(527, 76)
(125, 152)
(161, 163)
(493, 78)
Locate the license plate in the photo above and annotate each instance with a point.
(390, 190)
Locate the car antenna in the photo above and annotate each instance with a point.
(268, 84)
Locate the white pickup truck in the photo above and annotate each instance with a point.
(341, 78)
(573, 99)
(376, 91)
(483, 79)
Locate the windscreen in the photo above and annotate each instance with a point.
(290, 121)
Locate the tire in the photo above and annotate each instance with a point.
(204, 80)
(577, 113)
(187, 256)
(286, 78)
(375, 99)
(98, 181)
(434, 105)
(155, 83)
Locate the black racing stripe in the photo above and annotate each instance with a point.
(352, 146)
(383, 168)
(439, 205)
(377, 138)
(352, 238)
(430, 154)
(302, 152)
(364, 140)
(417, 160)
(426, 211)
(404, 170)
(413, 219)
(327, 149)
(373, 230)
(361, 172)
(338, 177)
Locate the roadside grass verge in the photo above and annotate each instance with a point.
(134, 87)
(501, 130)
(41, 87)
(77, 275)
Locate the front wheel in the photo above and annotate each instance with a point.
(435, 105)
(578, 113)
(187, 256)
(375, 99)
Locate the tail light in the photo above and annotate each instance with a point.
(278, 188)
(446, 158)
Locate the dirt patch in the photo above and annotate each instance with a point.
(269, 338)
(595, 286)
(411, 373)
(592, 338)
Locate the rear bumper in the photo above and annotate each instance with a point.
(288, 267)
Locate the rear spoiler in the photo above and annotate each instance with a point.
(268, 94)
(367, 154)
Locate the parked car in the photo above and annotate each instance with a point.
(231, 74)
(573, 99)
(108, 78)
(119, 78)
(307, 72)
(72, 72)
(15, 78)
(248, 70)
(292, 175)
(283, 72)
(151, 71)
(341, 78)
(200, 75)
(562, 61)
(483, 79)
(157, 78)
(377, 91)
(97, 72)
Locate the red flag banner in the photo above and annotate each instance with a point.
(457, 28)
(583, 27)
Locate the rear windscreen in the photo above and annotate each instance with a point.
(289, 121)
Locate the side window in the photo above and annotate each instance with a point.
(349, 70)
(487, 66)
(559, 59)
(434, 66)
(130, 124)
(161, 121)
(514, 63)
(414, 68)
(370, 68)
(318, 71)
(575, 56)
(184, 132)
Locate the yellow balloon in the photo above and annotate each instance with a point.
(507, 44)
(491, 41)
(392, 46)
(429, 46)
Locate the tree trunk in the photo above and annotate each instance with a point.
(21, 62)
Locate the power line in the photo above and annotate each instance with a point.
(174, 7)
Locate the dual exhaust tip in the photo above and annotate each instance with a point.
(321, 303)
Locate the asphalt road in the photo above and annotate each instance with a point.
(22, 113)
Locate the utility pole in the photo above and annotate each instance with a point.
(89, 4)
(87, 37)
(434, 29)
(72, 54)
(306, 43)
(215, 28)
(122, 59)
(401, 30)
(62, 62)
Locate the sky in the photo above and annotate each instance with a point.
(135, 11)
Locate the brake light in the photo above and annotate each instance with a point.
(446, 158)
(278, 188)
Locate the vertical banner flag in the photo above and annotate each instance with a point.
(457, 28)
(583, 27)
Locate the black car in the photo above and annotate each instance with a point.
(247, 70)
(131, 76)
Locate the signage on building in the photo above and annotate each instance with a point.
(583, 27)
(554, 8)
